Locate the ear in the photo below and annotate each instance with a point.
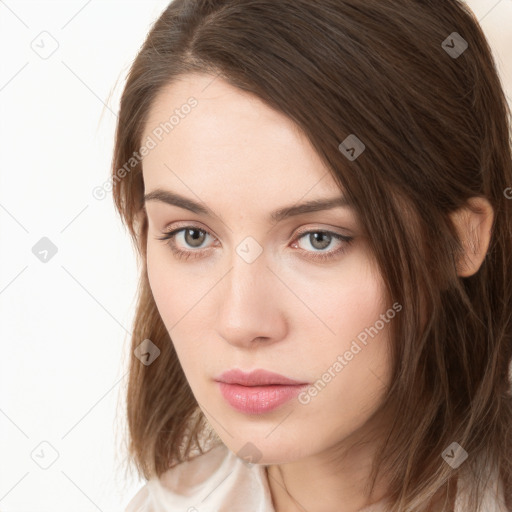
(473, 223)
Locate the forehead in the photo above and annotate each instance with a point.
(230, 145)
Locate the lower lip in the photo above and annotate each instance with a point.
(258, 399)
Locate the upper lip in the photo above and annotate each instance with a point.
(255, 378)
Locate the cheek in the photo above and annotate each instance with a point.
(345, 300)
(354, 364)
(159, 281)
(168, 285)
(177, 295)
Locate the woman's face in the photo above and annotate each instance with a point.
(252, 292)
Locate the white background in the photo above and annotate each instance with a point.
(65, 324)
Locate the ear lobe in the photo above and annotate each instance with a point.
(474, 224)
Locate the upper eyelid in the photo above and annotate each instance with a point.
(192, 224)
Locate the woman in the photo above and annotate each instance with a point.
(319, 195)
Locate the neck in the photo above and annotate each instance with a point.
(309, 486)
(320, 484)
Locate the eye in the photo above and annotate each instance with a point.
(192, 236)
(319, 240)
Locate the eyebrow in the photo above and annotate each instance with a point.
(168, 197)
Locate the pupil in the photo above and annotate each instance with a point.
(321, 236)
(195, 238)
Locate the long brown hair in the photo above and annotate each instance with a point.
(436, 129)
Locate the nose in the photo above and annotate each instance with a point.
(251, 303)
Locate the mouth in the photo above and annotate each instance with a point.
(256, 378)
(259, 391)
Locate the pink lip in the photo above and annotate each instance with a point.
(258, 391)
(255, 378)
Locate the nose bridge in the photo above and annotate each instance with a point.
(248, 306)
(244, 287)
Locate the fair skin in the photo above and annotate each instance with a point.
(283, 311)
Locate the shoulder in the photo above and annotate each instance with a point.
(493, 499)
(140, 502)
(207, 482)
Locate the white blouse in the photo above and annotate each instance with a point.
(220, 481)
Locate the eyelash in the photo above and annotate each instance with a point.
(169, 239)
